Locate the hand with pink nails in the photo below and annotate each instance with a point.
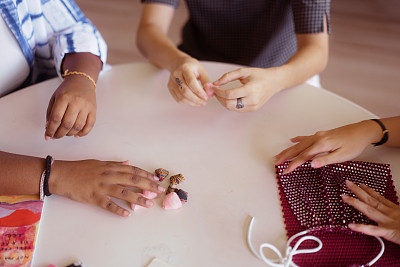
(379, 209)
(97, 182)
(338, 145)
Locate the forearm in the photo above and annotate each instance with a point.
(83, 62)
(310, 59)
(158, 48)
(20, 175)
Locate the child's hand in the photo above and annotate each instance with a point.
(97, 182)
(377, 208)
(72, 108)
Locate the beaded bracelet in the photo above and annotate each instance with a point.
(68, 73)
(44, 179)
(385, 133)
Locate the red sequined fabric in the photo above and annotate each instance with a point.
(310, 200)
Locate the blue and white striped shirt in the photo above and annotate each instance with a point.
(46, 30)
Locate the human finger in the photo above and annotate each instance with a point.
(205, 82)
(106, 203)
(378, 196)
(232, 94)
(136, 177)
(364, 196)
(293, 151)
(230, 77)
(56, 117)
(124, 193)
(330, 157)
(79, 124)
(301, 158)
(367, 210)
(183, 92)
(49, 108)
(89, 124)
(194, 84)
(369, 229)
(298, 139)
(68, 121)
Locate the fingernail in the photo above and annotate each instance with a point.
(76, 136)
(349, 183)
(161, 189)
(149, 203)
(315, 164)
(126, 213)
(344, 197)
(149, 194)
(47, 138)
(155, 178)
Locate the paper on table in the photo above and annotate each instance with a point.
(19, 224)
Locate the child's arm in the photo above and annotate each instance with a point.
(72, 108)
(77, 46)
(87, 181)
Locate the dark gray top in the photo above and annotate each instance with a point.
(258, 33)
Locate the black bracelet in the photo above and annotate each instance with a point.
(49, 162)
(385, 133)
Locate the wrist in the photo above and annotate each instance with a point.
(372, 131)
(278, 74)
(55, 175)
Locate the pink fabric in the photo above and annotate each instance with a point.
(311, 200)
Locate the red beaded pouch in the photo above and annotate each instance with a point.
(311, 201)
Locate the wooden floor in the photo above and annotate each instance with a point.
(364, 63)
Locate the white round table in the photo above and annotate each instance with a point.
(226, 158)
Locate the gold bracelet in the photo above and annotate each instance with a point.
(68, 73)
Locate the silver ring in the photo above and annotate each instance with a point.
(239, 103)
(377, 206)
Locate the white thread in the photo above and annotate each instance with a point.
(286, 261)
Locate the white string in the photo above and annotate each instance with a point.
(380, 253)
(286, 260)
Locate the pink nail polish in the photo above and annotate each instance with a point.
(126, 213)
(149, 203)
(47, 138)
(149, 195)
(161, 189)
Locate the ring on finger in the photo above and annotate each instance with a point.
(239, 103)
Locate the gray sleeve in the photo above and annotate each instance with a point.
(308, 15)
(173, 3)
